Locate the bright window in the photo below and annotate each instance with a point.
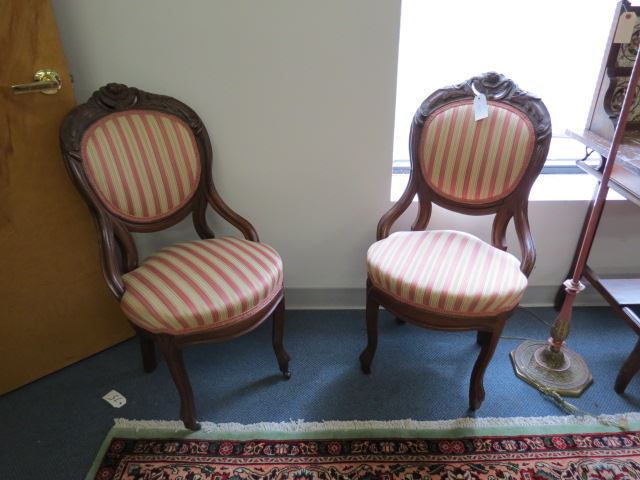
(552, 48)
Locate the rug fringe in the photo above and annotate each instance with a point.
(620, 420)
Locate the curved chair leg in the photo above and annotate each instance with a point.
(480, 338)
(277, 337)
(366, 357)
(629, 368)
(489, 341)
(148, 349)
(173, 357)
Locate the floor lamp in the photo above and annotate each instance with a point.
(551, 364)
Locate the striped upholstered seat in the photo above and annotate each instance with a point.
(201, 285)
(447, 272)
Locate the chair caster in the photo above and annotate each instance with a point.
(365, 362)
(476, 399)
(193, 426)
(286, 375)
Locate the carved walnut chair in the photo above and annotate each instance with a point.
(451, 280)
(143, 163)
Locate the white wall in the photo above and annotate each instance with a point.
(298, 96)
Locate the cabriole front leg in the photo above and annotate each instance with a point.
(489, 341)
(148, 350)
(175, 362)
(277, 338)
(366, 357)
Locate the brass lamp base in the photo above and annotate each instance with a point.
(566, 372)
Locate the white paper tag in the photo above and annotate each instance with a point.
(116, 399)
(480, 108)
(624, 30)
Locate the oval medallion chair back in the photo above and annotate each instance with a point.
(451, 280)
(143, 163)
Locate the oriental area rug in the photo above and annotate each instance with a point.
(599, 448)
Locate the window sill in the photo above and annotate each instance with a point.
(547, 188)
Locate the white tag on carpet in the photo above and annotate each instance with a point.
(115, 399)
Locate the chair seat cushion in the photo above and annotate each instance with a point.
(202, 285)
(446, 272)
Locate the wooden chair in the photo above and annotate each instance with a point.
(451, 280)
(143, 163)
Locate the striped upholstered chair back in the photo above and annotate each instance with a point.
(140, 157)
(144, 165)
(471, 163)
(475, 161)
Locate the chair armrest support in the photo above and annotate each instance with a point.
(398, 208)
(499, 229)
(111, 266)
(527, 246)
(230, 216)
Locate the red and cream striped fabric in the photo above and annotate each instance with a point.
(446, 272)
(475, 161)
(143, 165)
(200, 285)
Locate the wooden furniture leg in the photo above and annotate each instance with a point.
(630, 367)
(175, 362)
(489, 341)
(366, 357)
(148, 350)
(277, 339)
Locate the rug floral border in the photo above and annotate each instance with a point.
(476, 456)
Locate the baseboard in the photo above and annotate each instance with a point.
(354, 298)
(544, 295)
(325, 298)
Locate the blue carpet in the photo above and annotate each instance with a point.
(52, 428)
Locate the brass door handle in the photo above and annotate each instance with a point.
(45, 81)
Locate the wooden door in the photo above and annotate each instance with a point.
(55, 307)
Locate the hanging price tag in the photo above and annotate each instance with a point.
(624, 30)
(480, 108)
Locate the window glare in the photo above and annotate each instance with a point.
(552, 48)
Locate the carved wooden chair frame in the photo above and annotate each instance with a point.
(513, 206)
(119, 252)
